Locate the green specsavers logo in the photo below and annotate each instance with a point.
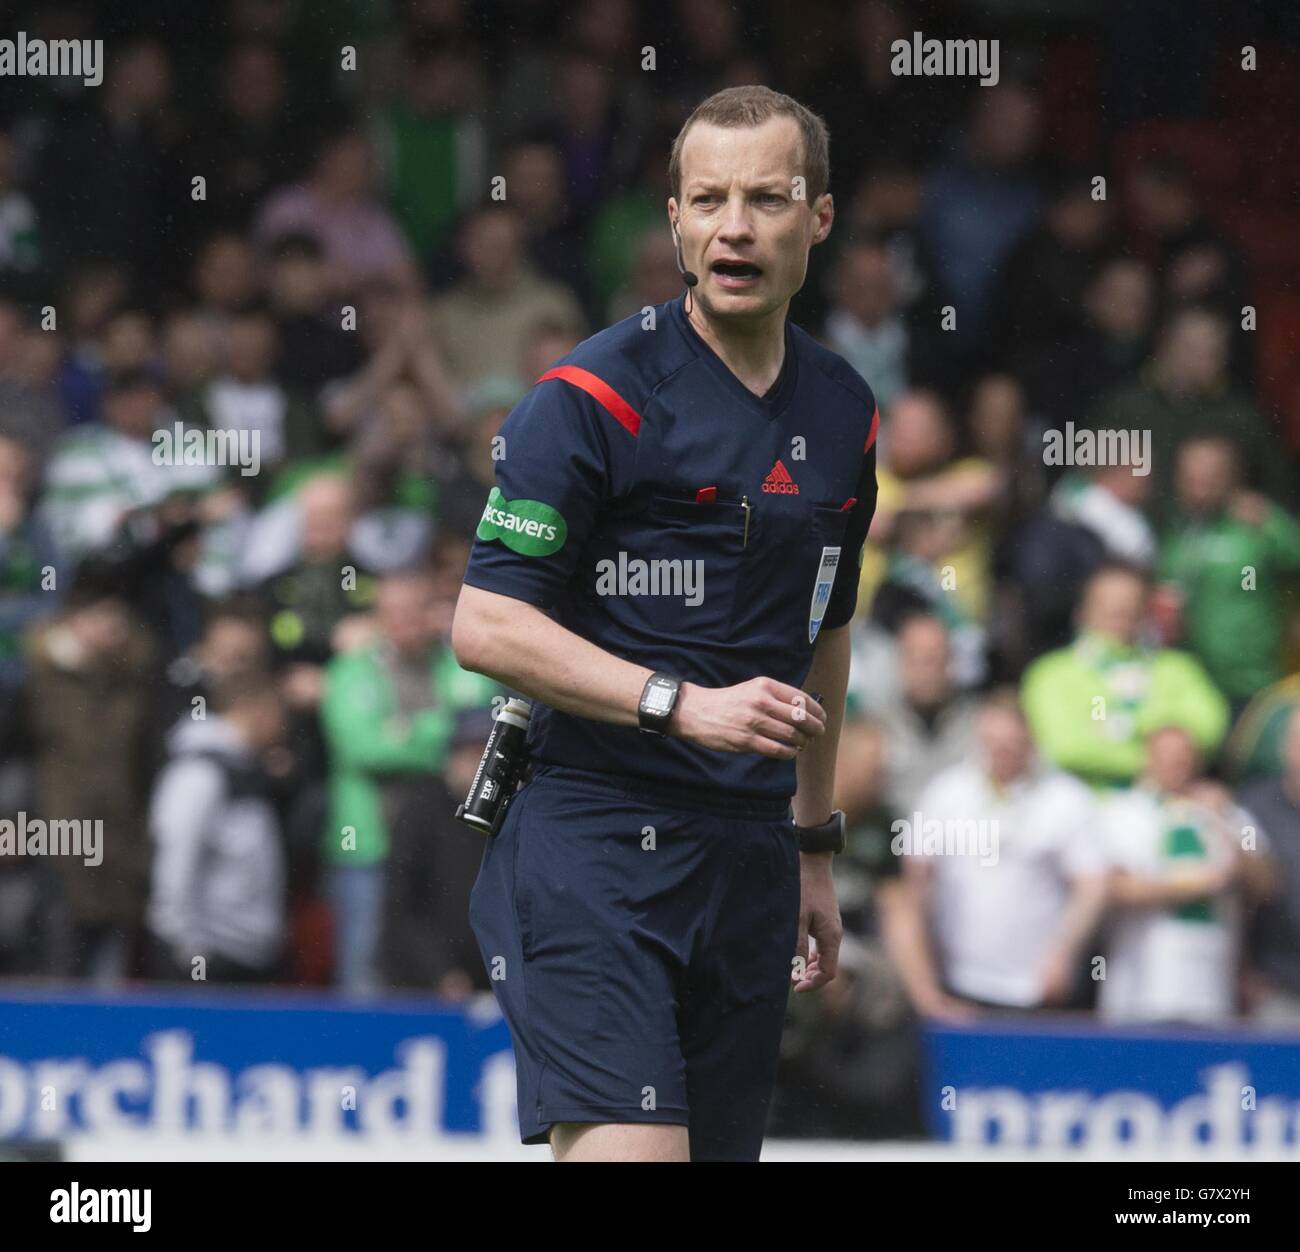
(528, 527)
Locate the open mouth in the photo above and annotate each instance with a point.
(736, 273)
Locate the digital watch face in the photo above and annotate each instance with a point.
(658, 699)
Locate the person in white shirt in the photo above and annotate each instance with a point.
(218, 879)
(1183, 861)
(1005, 878)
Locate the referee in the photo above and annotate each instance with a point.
(667, 565)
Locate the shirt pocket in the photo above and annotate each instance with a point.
(673, 568)
(789, 571)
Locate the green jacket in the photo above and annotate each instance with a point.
(367, 739)
(1234, 625)
(1091, 706)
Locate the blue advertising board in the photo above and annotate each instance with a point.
(221, 1062)
(215, 1064)
(1062, 1085)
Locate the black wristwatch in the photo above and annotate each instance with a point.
(828, 837)
(658, 699)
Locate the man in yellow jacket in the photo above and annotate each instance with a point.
(1091, 705)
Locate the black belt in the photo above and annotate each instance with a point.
(674, 795)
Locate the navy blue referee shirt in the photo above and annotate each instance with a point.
(651, 503)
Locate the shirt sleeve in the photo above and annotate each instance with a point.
(558, 456)
(1083, 847)
(844, 594)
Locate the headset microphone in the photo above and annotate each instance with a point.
(688, 278)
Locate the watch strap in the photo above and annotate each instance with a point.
(829, 836)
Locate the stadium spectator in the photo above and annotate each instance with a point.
(29, 565)
(930, 724)
(865, 324)
(980, 203)
(252, 139)
(104, 477)
(309, 575)
(433, 141)
(555, 235)
(653, 278)
(32, 409)
(1186, 392)
(628, 213)
(484, 322)
(1092, 705)
(1230, 557)
(1274, 939)
(867, 873)
(1179, 867)
(313, 346)
(217, 900)
(246, 400)
(1254, 748)
(1004, 867)
(919, 475)
(190, 358)
(336, 204)
(93, 295)
(20, 235)
(1004, 434)
(396, 335)
(233, 643)
(88, 718)
(103, 180)
(469, 477)
(1106, 351)
(1039, 297)
(1093, 517)
(225, 279)
(1194, 263)
(389, 714)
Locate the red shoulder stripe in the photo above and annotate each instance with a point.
(875, 427)
(601, 392)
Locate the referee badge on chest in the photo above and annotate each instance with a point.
(822, 591)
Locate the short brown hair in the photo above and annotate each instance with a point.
(752, 106)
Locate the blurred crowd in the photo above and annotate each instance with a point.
(358, 269)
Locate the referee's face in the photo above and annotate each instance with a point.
(746, 224)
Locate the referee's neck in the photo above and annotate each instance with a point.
(752, 348)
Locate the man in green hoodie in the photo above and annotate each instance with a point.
(389, 713)
(1092, 705)
(1232, 556)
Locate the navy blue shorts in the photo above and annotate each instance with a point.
(641, 952)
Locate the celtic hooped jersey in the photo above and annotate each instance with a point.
(655, 506)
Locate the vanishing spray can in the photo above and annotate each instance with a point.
(499, 769)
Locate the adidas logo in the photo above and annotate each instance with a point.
(779, 481)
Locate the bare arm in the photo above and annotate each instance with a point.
(819, 911)
(907, 938)
(522, 648)
(815, 767)
(1131, 890)
(1088, 897)
(963, 490)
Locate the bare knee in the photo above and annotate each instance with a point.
(619, 1141)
